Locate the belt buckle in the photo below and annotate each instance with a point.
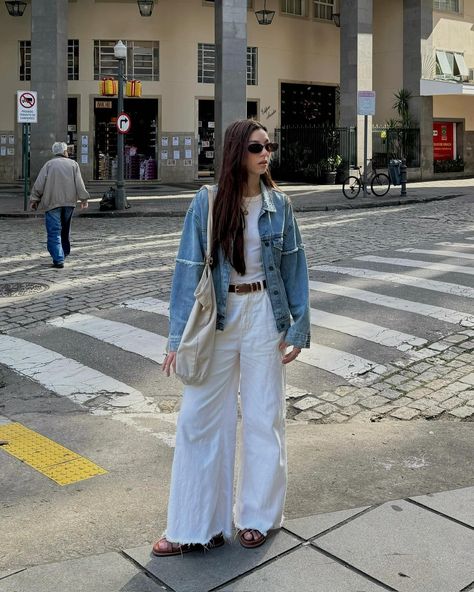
(237, 288)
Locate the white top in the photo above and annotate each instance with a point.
(252, 246)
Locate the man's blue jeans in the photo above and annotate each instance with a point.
(58, 227)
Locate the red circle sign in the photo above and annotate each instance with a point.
(27, 100)
(124, 123)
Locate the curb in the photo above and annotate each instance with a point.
(179, 213)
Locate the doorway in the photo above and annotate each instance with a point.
(140, 160)
(206, 125)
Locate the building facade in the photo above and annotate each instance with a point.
(306, 67)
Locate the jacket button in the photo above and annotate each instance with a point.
(271, 268)
(276, 292)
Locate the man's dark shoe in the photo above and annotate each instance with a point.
(58, 265)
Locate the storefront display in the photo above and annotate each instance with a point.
(140, 143)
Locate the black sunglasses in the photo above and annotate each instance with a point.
(256, 148)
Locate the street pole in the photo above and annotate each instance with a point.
(26, 164)
(120, 197)
(366, 136)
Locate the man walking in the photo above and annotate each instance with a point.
(58, 188)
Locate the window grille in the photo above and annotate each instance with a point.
(294, 7)
(207, 63)
(72, 59)
(446, 5)
(142, 61)
(25, 60)
(105, 63)
(252, 66)
(323, 9)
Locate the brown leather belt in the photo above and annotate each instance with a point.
(247, 288)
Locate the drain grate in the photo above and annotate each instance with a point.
(21, 289)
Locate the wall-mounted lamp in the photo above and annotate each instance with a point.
(15, 7)
(145, 7)
(336, 17)
(264, 17)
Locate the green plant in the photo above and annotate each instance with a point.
(331, 163)
(402, 107)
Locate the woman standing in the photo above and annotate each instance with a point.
(261, 283)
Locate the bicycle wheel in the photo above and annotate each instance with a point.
(380, 184)
(351, 187)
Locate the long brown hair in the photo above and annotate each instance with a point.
(228, 222)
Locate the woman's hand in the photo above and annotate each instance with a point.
(292, 355)
(169, 363)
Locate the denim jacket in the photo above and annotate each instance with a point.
(284, 265)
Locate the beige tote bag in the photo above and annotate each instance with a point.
(193, 358)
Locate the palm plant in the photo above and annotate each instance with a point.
(402, 107)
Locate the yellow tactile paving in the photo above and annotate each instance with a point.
(46, 456)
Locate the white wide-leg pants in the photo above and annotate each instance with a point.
(201, 495)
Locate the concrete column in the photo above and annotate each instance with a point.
(231, 68)
(417, 52)
(356, 66)
(49, 35)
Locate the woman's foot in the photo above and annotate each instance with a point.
(164, 548)
(251, 538)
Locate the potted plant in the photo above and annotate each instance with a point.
(329, 166)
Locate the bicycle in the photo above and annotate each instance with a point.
(379, 183)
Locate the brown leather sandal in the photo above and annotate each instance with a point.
(177, 549)
(256, 542)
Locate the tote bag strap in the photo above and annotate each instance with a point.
(211, 193)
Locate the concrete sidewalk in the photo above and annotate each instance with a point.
(418, 544)
(173, 200)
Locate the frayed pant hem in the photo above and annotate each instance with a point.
(196, 540)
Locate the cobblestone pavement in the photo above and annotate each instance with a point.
(118, 259)
(439, 387)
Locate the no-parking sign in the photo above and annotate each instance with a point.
(27, 106)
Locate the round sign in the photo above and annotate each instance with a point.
(27, 100)
(124, 123)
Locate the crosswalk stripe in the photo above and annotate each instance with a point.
(364, 330)
(456, 245)
(442, 252)
(67, 377)
(420, 264)
(341, 363)
(144, 343)
(149, 304)
(398, 278)
(338, 362)
(436, 312)
(77, 382)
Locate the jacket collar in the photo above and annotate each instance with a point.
(267, 195)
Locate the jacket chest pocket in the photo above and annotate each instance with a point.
(277, 248)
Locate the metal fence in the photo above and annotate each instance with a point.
(303, 147)
(395, 143)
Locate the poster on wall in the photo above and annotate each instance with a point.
(444, 140)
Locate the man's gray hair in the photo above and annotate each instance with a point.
(59, 147)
